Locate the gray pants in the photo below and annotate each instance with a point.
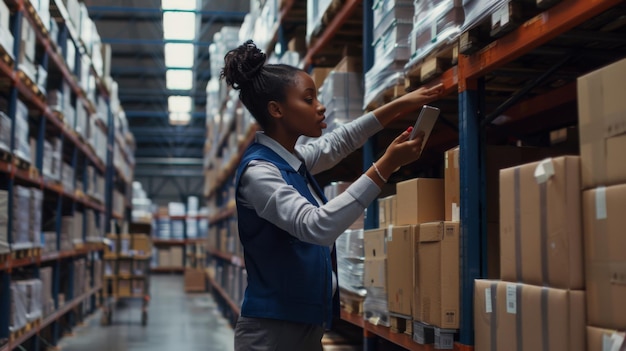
(259, 334)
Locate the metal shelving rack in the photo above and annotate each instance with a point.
(467, 81)
(21, 86)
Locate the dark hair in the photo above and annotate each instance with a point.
(258, 83)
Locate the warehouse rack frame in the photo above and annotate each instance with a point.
(467, 80)
(24, 88)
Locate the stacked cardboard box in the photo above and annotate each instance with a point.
(375, 306)
(540, 301)
(602, 126)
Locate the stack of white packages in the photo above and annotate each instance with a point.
(22, 145)
(47, 302)
(350, 262)
(26, 302)
(36, 215)
(477, 10)
(436, 24)
(52, 159)
(5, 131)
(342, 95)
(18, 307)
(392, 26)
(4, 221)
(21, 219)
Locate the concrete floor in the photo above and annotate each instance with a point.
(176, 321)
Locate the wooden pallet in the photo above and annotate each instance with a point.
(401, 324)
(35, 16)
(21, 163)
(352, 303)
(432, 66)
(30, 84)
(6, 57)
(5, 155)
(26, 253)
(27, 328)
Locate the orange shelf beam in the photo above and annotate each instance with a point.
(532, 34)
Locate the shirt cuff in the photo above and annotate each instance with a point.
(364, 190)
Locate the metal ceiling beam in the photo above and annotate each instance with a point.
(145, 41)
(159, 172)
(178, 161)
(97, 10)
(169, 152)
(158, 114)
(161, 92)
(172, 139)
(174, 130)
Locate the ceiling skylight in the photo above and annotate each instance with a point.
(179, 25)
(179, 118)
(178, 55)
(179, 79)
(179, 103)
(178, 4)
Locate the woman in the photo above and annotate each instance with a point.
(286, 226)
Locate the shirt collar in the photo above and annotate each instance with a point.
(291, 159)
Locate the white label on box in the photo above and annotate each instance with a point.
(544, 171)
(511, 298)
(488, 307)
(390, 233)
(446, 160)
(456, 212)
(615, 342)
(601, 203)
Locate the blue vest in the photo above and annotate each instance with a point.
(288, 279)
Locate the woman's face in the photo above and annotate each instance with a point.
(303, 112)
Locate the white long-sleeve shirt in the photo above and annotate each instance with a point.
(263, 188)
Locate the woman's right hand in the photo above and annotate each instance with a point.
(400, 152)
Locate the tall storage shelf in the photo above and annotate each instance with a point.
(513, 88)
(56, 167)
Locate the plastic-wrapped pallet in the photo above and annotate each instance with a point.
(391, 53)
(478, 10)
(375, 306)
(386, 12)
(67, 176)
(5, 131)
(21, 219)
(18, 307)
(436, 23)
(77, 228)
(49, 242)
(45, 274)
(21, 146)
(4, 221)
(6, 37)
(350, 258)
(315, 13)
(36, 207)
(31, 291)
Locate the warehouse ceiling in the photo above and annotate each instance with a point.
(134, 29)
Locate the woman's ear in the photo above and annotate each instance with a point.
(274, 109)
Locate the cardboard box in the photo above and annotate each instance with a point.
(602, 124)
(599, 339)
(195, 280)
(165, 258)
(420, 200)
(375, 273)
(387, 208)
(605, 256)
(350, 64)
(438, 274)
(374, 243)
(319, 74)
(513, 316)
(540, 230)
(400, 244)
(452, 185)
(124, 287)
(176, 253)
(141, 244)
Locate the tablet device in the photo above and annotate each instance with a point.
(425, 122)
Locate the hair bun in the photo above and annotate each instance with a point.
(243, 64)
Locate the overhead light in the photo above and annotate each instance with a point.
(179, 104)
(179, 25)
(179, 55)
(179, 79)
(178, 4)
(179, 118)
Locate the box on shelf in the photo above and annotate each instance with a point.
(141, 244)
(452, 185)
(602, 126)
(420, 200)
(400, 265)
(529, 316)
(437, 274)
(164, 258)
(387, 209)
(540, 211)
(605, 257)
(600, 339)
(124, 287)
(176, 257)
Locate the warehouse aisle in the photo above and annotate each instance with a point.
(176, 321)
